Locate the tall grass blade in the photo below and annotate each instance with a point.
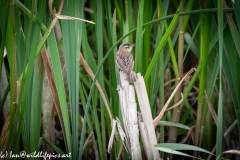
(56, 67)
(204, 37)
(71, 32)
(101, 135)
(220, 102)
(35, 110)
(139, 39)
(111, 59)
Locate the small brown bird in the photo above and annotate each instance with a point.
(125, 62)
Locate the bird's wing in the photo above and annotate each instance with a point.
(129, 63)
(123, 64)
(120, 63)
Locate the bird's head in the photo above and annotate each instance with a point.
(126, 47)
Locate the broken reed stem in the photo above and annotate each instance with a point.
(145, 137)
(131, 121)
(129, 113)
(146, 114)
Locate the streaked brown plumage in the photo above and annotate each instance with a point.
(125, 61)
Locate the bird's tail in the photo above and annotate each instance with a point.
(131, 77)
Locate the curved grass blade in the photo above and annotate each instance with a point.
(177, 146)
(174, 152)
(172, 124)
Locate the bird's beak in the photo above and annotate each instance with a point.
(133, 45)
